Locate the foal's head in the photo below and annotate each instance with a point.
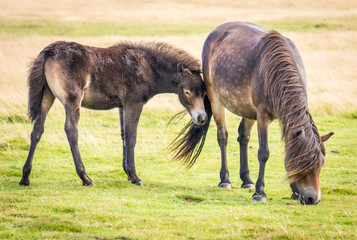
(190, 92)
(306, 189)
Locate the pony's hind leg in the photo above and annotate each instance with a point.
(244, 129)
(38, 129)
(72, 108)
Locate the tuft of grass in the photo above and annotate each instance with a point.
(15, 118)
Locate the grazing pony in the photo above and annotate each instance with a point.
(123, 76)
(260, 76)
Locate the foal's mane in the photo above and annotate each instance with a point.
(284, 89)
(167, 54)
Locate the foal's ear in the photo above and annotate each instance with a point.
(180, 68)
(324, 138)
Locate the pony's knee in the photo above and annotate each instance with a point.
(263, 155)
(243, 138)
(222, 136)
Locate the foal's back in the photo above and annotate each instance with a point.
(101, 77)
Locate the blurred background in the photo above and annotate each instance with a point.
(325, 31)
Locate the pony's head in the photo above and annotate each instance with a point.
(191, 91)
(306, 183)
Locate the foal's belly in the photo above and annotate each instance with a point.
(99, 101)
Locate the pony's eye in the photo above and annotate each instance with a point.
(187, 93)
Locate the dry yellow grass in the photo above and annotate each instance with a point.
(179, 11)
(330, 56)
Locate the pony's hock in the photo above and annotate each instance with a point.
(259, 76)
(124, 76)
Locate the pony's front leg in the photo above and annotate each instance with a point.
(222, 138)
(131, 117)
(263, 153)
(244, 129)
(71, 128)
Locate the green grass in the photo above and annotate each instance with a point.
(56, 206)
(95, 29)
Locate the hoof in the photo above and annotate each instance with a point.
(24, 182)
(139, 183)
(87, 181)
(225, 185)
(260, 198)
(248, 185)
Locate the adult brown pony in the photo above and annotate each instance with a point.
(123, 76)
(260, 76)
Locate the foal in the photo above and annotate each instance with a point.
(124, 76)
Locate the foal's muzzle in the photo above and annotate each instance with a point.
(199, 117)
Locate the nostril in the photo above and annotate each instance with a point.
(311, 200)
(307, 200)
(199, 119)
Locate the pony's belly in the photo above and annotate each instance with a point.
(243, 109)
(239, 102)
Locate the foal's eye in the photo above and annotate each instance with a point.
(187, 93)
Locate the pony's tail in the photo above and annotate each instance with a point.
(36, 83)
(189, 143)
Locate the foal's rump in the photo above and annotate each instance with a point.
(80, 74)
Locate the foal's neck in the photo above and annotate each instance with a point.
(167, 82)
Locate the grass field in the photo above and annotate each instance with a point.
(174, 203)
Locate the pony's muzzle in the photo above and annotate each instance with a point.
(199, 117)
(308, 196)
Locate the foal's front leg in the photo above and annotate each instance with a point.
(263, 120)
(131, 115)
(121, 117)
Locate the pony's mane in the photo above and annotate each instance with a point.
(284, 89)
(167, 54)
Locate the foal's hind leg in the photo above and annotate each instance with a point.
(244, 129)
(38, 129)
(72, 108)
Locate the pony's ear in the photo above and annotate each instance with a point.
(324, 138)
(180, 68)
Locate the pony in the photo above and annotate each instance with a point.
(124, 76)
(259, 76)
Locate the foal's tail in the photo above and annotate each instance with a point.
(189, 143)
(36, 83)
